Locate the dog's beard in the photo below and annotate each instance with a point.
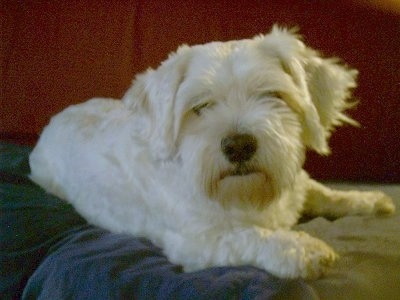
(252, 189)
(241, 186)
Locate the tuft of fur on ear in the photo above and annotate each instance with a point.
(152, 95)
(323, 86)
(330, 84)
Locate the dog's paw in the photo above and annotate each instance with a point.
(371, 202)
(297, 254)
(382, 203)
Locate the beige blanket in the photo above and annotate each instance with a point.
(369, 249)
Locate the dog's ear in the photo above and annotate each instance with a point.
(323, 87)
(153, 95)
(330, 85)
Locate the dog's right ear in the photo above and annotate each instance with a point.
(322, 86)
(152, 96)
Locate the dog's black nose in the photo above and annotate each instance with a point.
(239, 147)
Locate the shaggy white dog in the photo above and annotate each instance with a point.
(204, 155)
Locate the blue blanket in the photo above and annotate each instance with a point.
(47, 251)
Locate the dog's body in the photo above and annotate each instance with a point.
(204, 155)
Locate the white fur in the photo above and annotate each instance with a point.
(151, 165)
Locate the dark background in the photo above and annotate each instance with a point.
(56, 53)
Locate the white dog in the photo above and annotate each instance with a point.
(204, 155)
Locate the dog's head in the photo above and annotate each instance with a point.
(239, 115)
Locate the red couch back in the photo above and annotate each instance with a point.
(56, 53)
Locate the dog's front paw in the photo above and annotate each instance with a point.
(382, 203)
(297, 254)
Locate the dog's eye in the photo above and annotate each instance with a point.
(198, 108)
(274, 94)
(271, 94)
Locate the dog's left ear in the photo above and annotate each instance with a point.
(323, 87)
(152, 97)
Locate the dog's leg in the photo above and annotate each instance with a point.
(283, 253)
(321, 200)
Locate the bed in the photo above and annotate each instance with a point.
(47, 251)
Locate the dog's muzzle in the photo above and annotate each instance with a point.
(239, 148)
(244, 182)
